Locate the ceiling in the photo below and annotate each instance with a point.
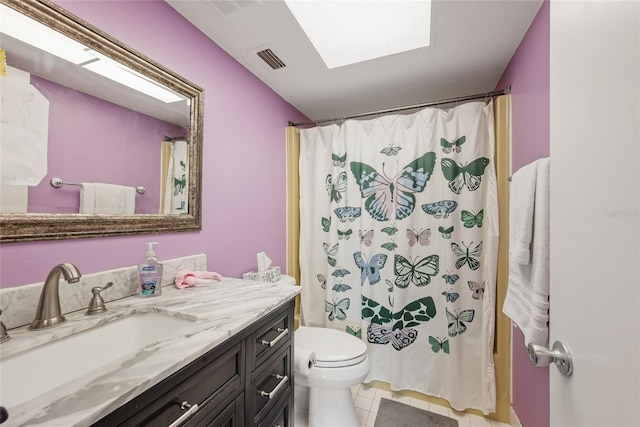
(471, 44)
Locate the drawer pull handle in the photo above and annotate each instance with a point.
(283, 333)
(283, 380)
(191, 410)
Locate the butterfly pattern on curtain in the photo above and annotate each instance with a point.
(405, 218)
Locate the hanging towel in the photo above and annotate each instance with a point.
(522, 202)
(527, 299)
(97, 198)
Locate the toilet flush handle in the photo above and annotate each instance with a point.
(283, 333)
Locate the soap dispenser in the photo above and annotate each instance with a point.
(150, 274)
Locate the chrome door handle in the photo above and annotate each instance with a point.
(283, 333)
(559, 354)
(184, 405)
(283, 380)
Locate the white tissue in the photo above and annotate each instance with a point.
(304, 361)
(264, 262)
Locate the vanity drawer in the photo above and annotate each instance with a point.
(232, 414)
(270, 384)
(210, 380)
(274, 334)
(281, 415)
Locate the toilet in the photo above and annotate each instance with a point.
(324, 390)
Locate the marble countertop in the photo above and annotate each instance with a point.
(218, 311)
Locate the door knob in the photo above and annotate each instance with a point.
(559, 354)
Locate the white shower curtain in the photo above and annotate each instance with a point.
(175, 191)
(405, 206)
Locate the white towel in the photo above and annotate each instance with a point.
(521, 206)
(527, 299)
(97, 198)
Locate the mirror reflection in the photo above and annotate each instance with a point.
(96, 139)
(72, 114)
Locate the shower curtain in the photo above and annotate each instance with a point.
(175, 177)
(398, 246)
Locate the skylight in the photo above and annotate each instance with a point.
(350, 31)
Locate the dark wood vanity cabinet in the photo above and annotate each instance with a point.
(245, 381)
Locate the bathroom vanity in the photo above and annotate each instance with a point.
(231, 363)
(247, 380)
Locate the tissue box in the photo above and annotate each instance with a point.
(271, 274)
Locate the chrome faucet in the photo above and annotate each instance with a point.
(48, 313)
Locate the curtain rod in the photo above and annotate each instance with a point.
(505, 91)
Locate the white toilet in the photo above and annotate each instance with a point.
(325, 389)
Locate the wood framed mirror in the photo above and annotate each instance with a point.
(186, 115)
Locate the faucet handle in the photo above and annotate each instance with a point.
(96, 305)
(4, 335)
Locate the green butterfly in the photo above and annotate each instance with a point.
(336, 310)
(338, 160)
(439, 344)
(389, 246)
(331, 252)
(389, 230)
(470, 219)
(326, 223)
(393, 197)
(467, 256)
(419, 273)
(413, 314)
(334, 188)
(446, 232)
(456, 323)
(391, 150)
(356, 332)
(460, 176)
(448, 147)
(389, 284)
(345, 235)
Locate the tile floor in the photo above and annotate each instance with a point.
(367, 399)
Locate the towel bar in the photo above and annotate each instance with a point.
(58, 182)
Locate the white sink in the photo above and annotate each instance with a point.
(43, 368)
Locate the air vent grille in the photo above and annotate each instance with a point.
(227, 7)
(271, 59)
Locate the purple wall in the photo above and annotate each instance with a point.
(528, 75)
(115, 145)
(243, 202)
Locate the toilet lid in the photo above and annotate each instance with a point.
(332, 348)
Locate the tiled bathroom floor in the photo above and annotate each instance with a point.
(367, 399)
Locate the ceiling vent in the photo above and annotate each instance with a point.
(227, 7)
(271, 59)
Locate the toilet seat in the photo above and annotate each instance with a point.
(333, 348)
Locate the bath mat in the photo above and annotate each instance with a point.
(396, 414)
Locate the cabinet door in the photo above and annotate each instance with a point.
(270, 384)
(210, 415)
(215, 377)
(282, 414)
(273, 333)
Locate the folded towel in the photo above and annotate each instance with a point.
(521, 206)
(527, 299)
(98, 198)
